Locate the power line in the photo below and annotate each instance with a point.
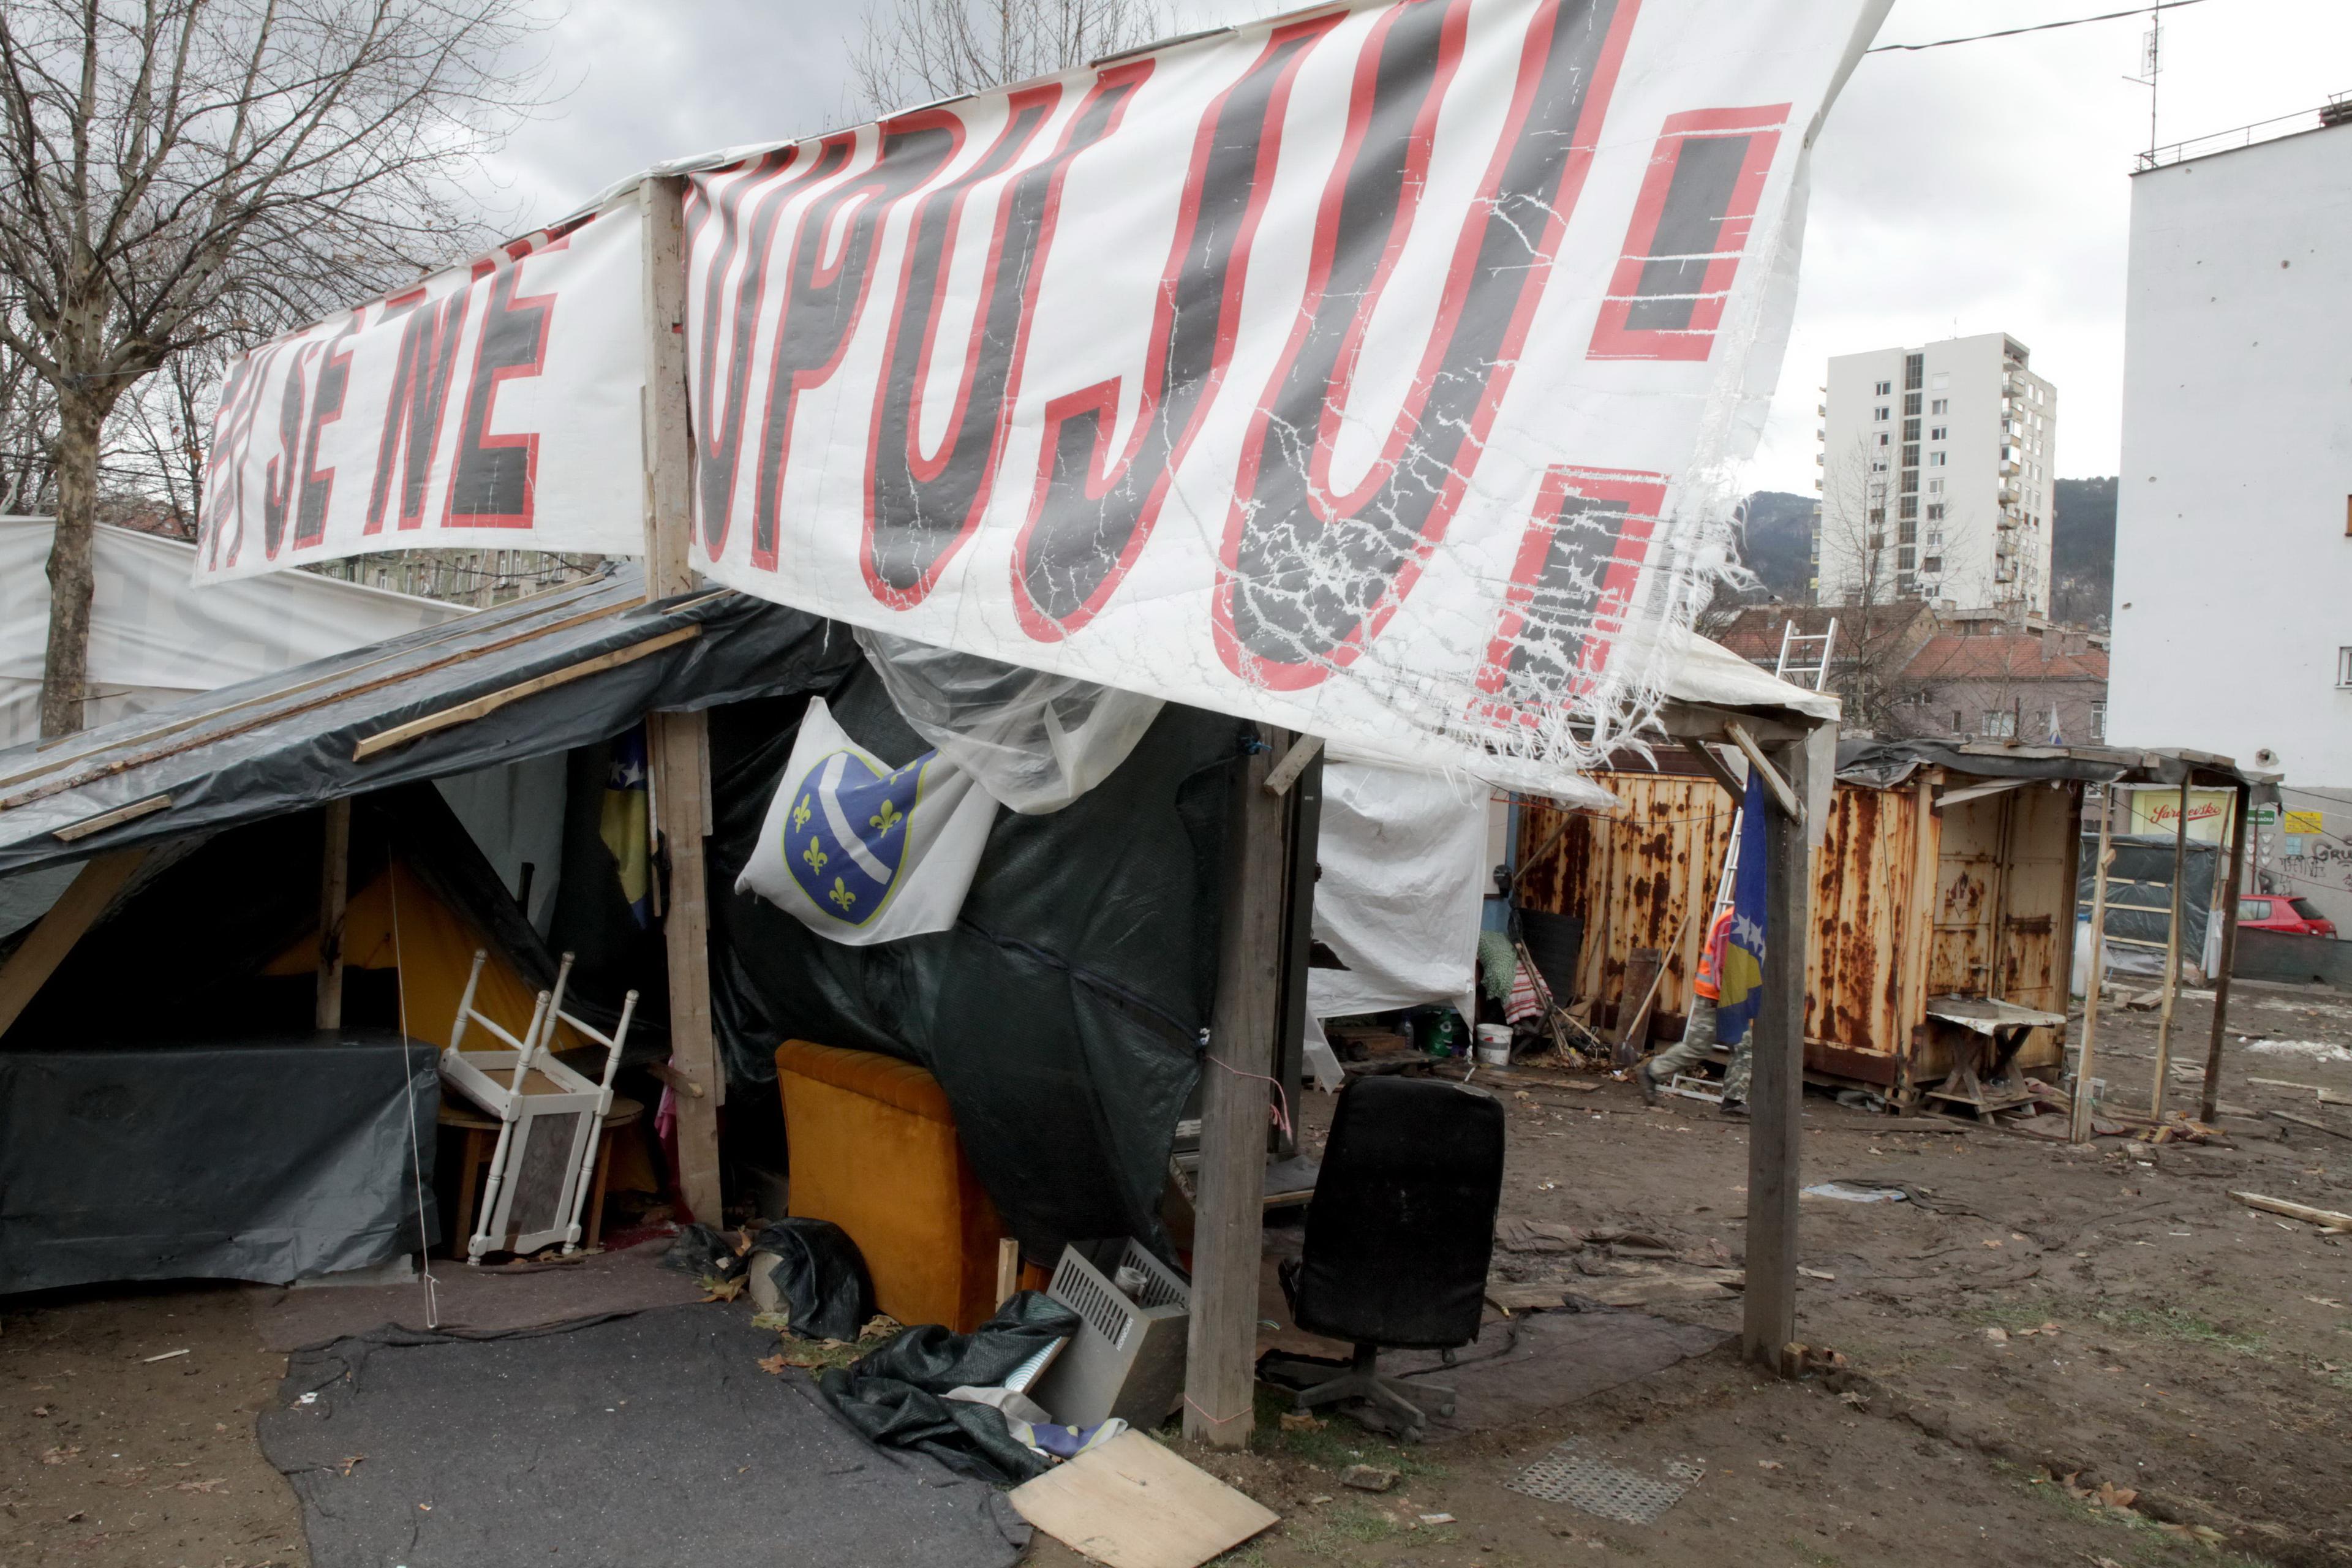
(2036, 27)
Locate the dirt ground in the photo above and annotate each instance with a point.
(2052, 1356)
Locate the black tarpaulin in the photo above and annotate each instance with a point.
(1062, 1012)
(267, 1160)
(288, 741)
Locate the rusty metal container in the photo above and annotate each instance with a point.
(1912, 900)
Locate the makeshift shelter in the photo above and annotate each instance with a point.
(1110, 1010)
(1942, 941)
(155, 638)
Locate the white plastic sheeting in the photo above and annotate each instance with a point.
(153, 640)
(1404, 876)
(1033, 741)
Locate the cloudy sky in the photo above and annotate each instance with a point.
(1979, 188)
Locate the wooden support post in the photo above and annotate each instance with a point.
(78, 908)
(2079, 1125)
(669, 442)
(2172, 952)
(1776, 1091)
(1228, 1232)
(679, 743)
(2209, 1102)
(335, 886)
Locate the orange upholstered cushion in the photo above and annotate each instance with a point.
(874, 1150)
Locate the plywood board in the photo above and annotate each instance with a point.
(1131, 1503)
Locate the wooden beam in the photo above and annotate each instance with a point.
(1784, 792)
(1220, 1375)
(1715, 768)
(2329, 1219)
(115, 818)
(86, 898)
(669, 445)
(1777, 1089)
(2079, 1125)
(2209, 1101)
(466, 712)
(679, 743)
(676, 1080)
(1294, 762)
(335, 886)
(2171, 955)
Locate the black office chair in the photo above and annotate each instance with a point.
(1398, 1239)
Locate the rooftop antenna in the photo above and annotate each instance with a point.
(2151, 61)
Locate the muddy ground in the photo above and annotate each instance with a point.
(2048, 1329)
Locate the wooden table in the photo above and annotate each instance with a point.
(481, 1133)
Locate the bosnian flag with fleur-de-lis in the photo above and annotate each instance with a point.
(864, 852)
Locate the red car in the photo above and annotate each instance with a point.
(2296, 917)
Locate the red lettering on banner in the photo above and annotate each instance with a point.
(767, 184)
(1092, 509)
(326, 408)
(1690, 228)
(494, 478)
(1579, 565)
(919, 509)
(278, 488)
(1309, 578)
(431, 332)
(824, 301)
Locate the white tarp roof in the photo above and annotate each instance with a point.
(154, 638)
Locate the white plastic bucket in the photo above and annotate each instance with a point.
(1494, 1045)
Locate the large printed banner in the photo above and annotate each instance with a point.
(1373, 372)
(493, 406)
(1376, 371)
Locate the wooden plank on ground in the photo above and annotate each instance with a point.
(1133, 1504)
(2328, 1219)
(84, 900)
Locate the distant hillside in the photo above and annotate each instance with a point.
(2083, 551)
(1778, 545)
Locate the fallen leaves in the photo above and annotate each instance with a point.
(59, 1456)
(1302, 1421)
(773, 1365)
(717, 1290)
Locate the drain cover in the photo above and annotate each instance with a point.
(1604, 1491)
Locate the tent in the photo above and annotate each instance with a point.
(156, 638)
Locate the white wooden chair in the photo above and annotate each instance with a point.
(549, 1117)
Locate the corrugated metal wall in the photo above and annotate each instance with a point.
(1629, 878)
(1879, 948)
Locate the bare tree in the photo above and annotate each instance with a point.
(177, 173)
(919, 50)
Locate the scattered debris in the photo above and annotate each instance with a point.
(1998, 1336)
(1367, 1478)
(167, 1355)
(1815, 1273)
(1131, 1503)
(1857, 1192)
(1302, 1421)
(1770, 1465)
(2314, 1125)
(1437, 1519)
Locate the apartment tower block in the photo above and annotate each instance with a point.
(1936, 480)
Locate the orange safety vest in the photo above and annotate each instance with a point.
(1710, 983)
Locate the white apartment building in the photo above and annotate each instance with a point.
(1938, 471)
(2234, 520)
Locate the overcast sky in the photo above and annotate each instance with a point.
(1980, 188)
